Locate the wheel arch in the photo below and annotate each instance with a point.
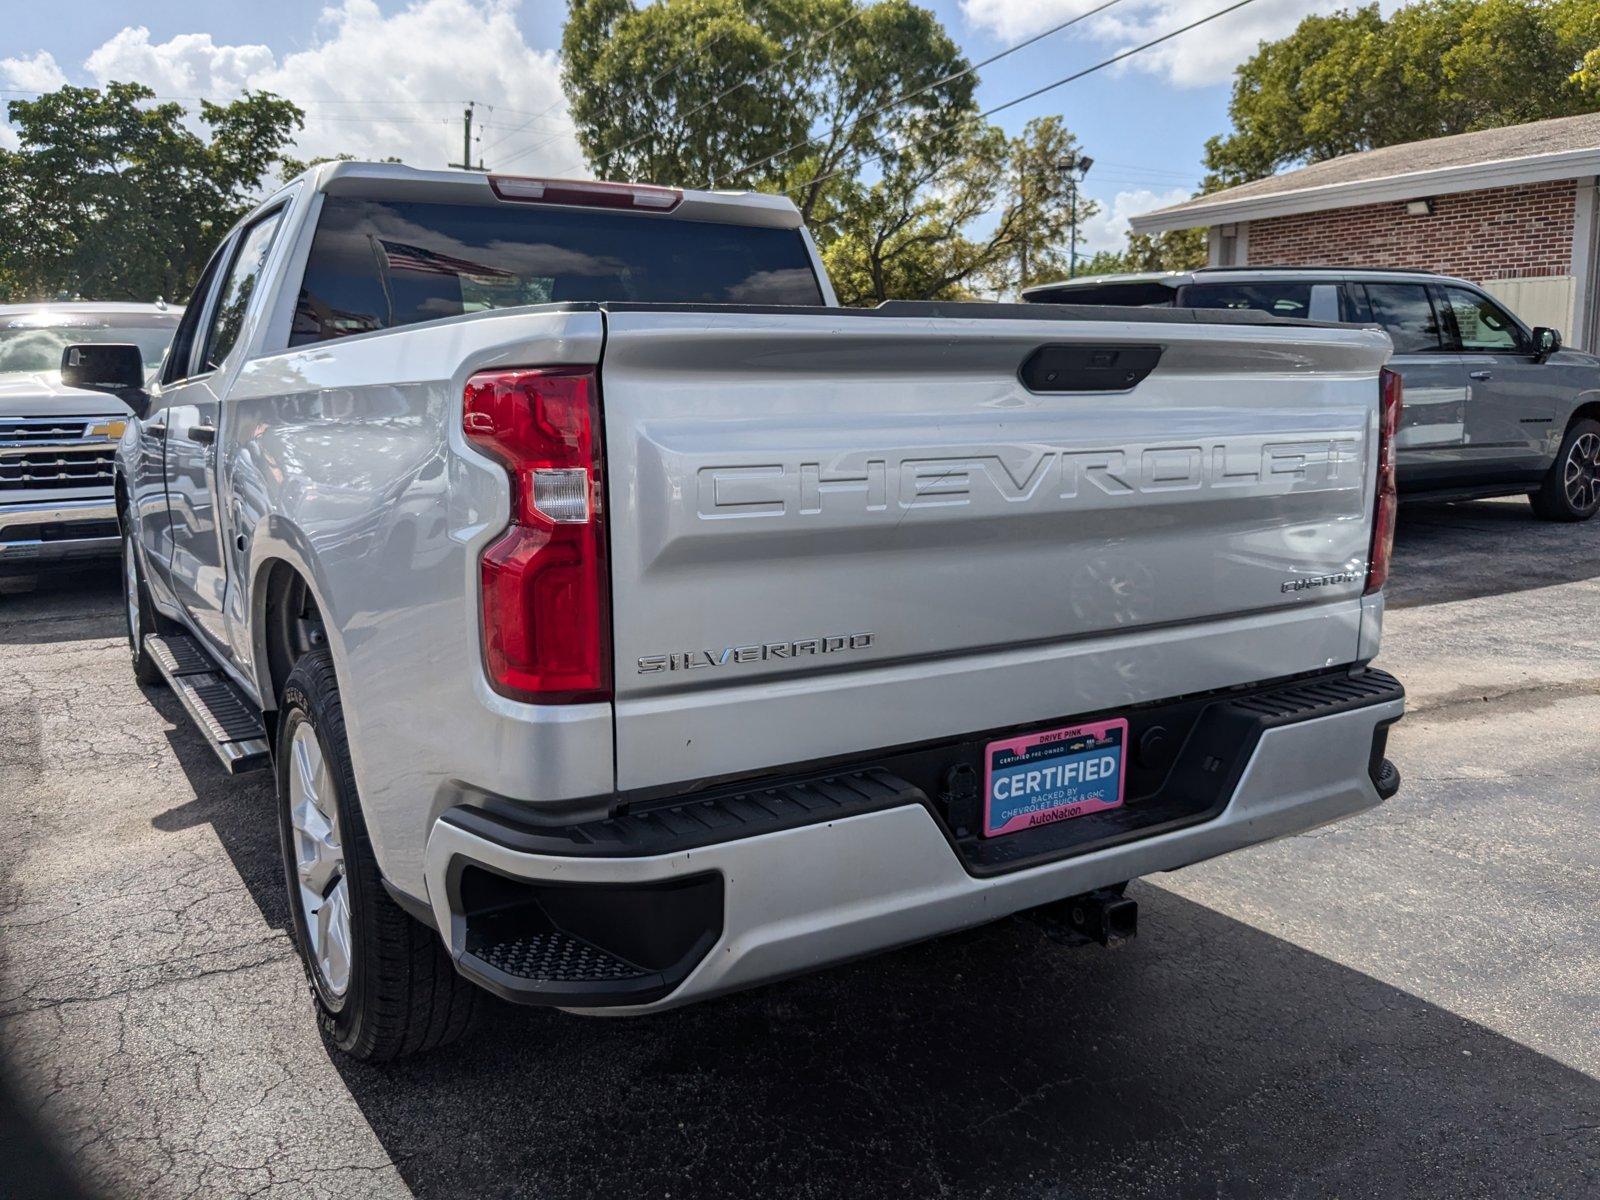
(1589, 408)
(288, 617)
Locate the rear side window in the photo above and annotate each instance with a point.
(1407, 316)
(376, 265)
(1281, 298)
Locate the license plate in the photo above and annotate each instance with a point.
(1053, 775)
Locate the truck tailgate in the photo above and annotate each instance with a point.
(832, 533)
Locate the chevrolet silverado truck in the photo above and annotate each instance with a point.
(626, 623)
(1493, 407)
(56, 442)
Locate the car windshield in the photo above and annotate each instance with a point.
(31, 344)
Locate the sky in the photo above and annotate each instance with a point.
(382, 77)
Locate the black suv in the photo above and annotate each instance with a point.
(1492, 407)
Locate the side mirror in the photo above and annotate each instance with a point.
(114, 367)
(1546, 341)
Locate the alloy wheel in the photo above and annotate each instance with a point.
(320, 865)
(1582, 472)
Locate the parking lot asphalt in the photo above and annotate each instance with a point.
(1404, 1004)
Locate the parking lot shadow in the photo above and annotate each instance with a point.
(242, 810)
(1446, 552)
(1206, 1059)
(62, 606)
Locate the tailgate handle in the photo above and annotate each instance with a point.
(1075, 367)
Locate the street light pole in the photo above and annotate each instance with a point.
(1075, 166)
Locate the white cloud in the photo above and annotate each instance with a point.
(37, 74)
(375, 85)
(191, 64)
(1108, 228)
(1201, 57)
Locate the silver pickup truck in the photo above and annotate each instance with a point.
(56, 442)
(626, 623)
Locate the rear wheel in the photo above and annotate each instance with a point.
(138, 610)
(381, 982)
(1571, 488)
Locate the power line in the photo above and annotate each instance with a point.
(1039, 91)
(912, 95)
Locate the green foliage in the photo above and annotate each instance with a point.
(110, 196)
(910, 234)
(655, 91)
(1356, 81)
(1175, 250)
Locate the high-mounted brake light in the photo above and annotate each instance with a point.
(546, 616)
(1390, 402)
(586, 193)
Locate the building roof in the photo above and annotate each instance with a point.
(1560, 148)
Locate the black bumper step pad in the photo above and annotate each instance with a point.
(224, 715)
(554, 957)
(701, 821)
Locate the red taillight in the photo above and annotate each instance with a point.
(546, 620)
(1383, 513)
(644, 197)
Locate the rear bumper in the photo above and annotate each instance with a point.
(39, 532)
(748, 899)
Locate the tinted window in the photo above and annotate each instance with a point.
(1281, 298)
(237, 288)
(1133, 294)
(376, 265)
(1480, 323)
(1407, 316)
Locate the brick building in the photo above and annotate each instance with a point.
(1511, 209)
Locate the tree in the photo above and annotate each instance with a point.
(904, 236)
(1356, 81)
(1174, 250)
(1045, 203)
(954, 216)
(110, 196)
(731, 92)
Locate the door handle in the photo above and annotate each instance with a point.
(1480, 374)
(204, 434)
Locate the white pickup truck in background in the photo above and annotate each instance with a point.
(56, 442)
(626, 623)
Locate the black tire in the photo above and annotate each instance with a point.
(139, 614)
(1571, 488)
(402, 994)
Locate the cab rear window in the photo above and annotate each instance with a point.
(381, 264)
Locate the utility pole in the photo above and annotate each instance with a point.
(1075, 166)
(466, 139)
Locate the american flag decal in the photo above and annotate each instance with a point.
(402, 257)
